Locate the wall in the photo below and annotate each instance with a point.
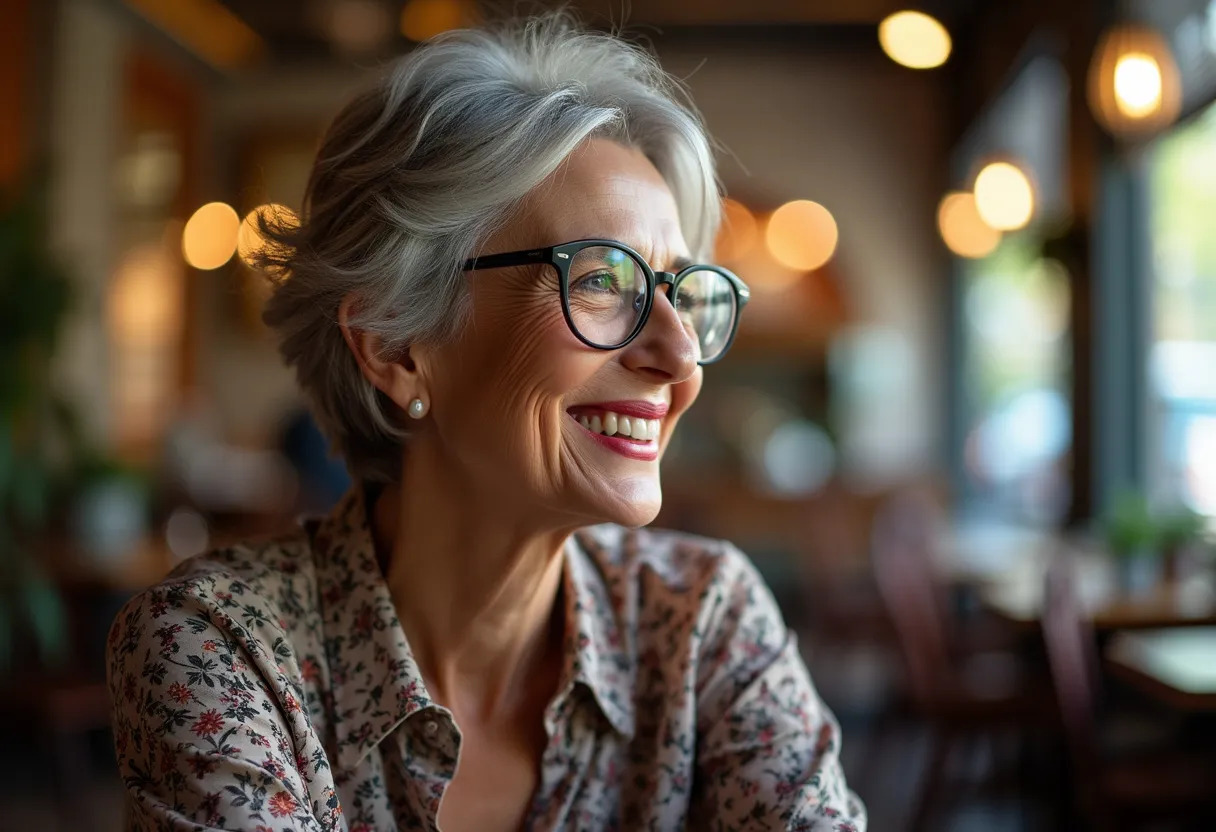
(834, 122)
(841, 124)
(86, 111)
(247, 387)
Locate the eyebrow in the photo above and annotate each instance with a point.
(677, 264)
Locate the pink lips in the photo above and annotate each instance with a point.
(645, 451)
(641, 409)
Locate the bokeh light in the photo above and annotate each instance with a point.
(963, 229)
(1134, 83)
(1137, 84)
(738, 233)
(249, 240)
(1004, 196)
(186, 533)
(423, 19)
(209, 238)
(914, 40)
(801, 235)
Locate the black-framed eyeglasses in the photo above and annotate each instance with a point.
(608, 290)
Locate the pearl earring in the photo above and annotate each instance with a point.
(417, 409)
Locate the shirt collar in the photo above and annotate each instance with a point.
(599, 650)
(375, 682)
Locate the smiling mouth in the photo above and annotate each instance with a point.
(631, 436)
(610, 423)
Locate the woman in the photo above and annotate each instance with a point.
(491, 303)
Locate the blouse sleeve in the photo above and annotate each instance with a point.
(203, 716)
(767, 747)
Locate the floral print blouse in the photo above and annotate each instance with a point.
(270, 687)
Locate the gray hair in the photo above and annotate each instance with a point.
(417, 171)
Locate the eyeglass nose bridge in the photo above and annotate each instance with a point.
(664, 279)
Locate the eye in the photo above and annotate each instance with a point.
(598, 282)
(688, 300)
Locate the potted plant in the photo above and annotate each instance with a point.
(1134, 539)
(1178, 532)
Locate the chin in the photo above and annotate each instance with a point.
(635, 504)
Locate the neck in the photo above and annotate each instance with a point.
(476, 591)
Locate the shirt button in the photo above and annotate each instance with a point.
(431, 727)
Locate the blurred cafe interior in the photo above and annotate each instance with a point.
(967, 432)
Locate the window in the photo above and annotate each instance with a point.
(1016, 376)
(1012, 426)
(1182, 381)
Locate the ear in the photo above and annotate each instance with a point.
(396, 376)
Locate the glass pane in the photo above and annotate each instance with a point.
(607, 294)
(706, 305)
(1181, 379)
(1016, 375)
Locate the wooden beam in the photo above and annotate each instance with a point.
(205, 27)
(733, 12)
(16, 37)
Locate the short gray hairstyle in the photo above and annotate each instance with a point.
(414, 173)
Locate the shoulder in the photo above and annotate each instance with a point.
(250, 593)
(261, 567)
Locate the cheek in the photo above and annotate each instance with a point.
(517, 358)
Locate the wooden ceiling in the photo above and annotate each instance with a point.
(291, 32)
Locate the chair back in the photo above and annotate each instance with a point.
(902, 557)
(1073, 657)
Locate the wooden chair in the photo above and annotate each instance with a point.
(963, 709)
(1113, 794)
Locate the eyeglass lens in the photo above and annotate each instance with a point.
(607, 297)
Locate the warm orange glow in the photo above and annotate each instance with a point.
(738, 233)
(145, 307)
(1004, 196)
(766, 275)
(915, 40)
(801, 235)
(1134, 84)
(963, 230)
(1137, 85)
(145, 313)
(209, 239)
(206, 27)
(423, 19)
(249, 240)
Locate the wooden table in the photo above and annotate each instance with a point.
(1177, 665)
(1008, 574)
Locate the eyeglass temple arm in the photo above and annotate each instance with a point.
(510, 258)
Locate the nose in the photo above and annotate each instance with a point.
(663, 350)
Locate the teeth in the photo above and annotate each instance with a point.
(613, 424)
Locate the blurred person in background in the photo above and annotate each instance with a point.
(494, 303)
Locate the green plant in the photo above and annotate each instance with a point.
(1180, 528)
(1130, 527)
(38, 435)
